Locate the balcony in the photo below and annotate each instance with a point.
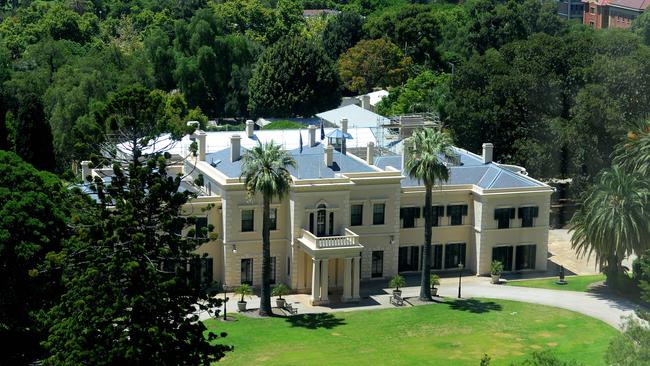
(349, 240)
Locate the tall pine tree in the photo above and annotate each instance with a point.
(33, 140)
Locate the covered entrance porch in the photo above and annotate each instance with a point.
(330, 265)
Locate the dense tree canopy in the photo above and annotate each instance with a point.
(294, 77)
(34, 211)
(342, 32)
(373, 63)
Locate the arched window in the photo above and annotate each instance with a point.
(320, 220)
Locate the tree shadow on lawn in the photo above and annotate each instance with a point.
(475, 306)
(315, 321)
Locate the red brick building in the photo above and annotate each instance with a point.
(612, 13)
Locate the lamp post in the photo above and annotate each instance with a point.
(460, 275)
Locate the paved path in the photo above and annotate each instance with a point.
(605, 307)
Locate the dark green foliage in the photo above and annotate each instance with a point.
(33, 140)
(342, 32)
(632, 347)
(33, 215)
(294, 77)
(545, 358)
(127, 289)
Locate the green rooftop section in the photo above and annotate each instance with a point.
(453, 333)
(283, 125)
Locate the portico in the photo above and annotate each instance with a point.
(335, 264)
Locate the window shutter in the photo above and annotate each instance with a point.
(512, 213)
(535, 211)
(464, 210)
(449, 210)
(401, 213)
(417, 212)
(520, 213)
(441, 210)
(497, 213)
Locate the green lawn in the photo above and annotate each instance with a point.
(575, 283)
(457, 333)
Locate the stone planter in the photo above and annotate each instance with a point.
(434, 291)
(241, 306)
(496, 279)
(397, 292)
(281, 303)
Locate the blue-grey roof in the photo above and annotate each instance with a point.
(310, 163)
(471, 171)
(357, 117)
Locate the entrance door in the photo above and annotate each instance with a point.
(503, 255)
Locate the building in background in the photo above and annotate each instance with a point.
(570, 9)
(612, 13)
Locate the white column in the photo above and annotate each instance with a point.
(324, 282)
(355, 278)
(347, 279)
(315, 281)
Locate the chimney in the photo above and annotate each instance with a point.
(201, 137)
(344, 125)
(365, 102)
(250, 128)
(488, 149)
(329, 155)
(235, 147)
(312, 135)
(370, 153)
(85, 170)
(405, 152)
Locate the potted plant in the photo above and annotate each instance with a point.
(243, 290)
(435, 281)
(280, 290)
(397, 282)
(495, 271)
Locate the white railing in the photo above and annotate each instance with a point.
(350, 239)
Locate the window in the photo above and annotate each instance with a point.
(456, 213)
(311, 222)
(438, 212)
(454, 255)
(527, 215)
(591, 23)
(288, 266)
(273, 219)
(525, 257)
(247, 220)
(377, 263)
(247, 271)
(503, 217)
(408, 259)
(378, 210)
(199, 225)
(201, 272)
(504, 255)
(436, 257)
(592, 10)
(356, 215)
(331, 224)
(320, 222)
(273, 267)
(408, 216)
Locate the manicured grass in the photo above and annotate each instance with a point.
(455, 333)
(575, 283)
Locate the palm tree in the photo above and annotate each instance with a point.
(264, 169)
(426, 152)
(634, 154)
(612, 222)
